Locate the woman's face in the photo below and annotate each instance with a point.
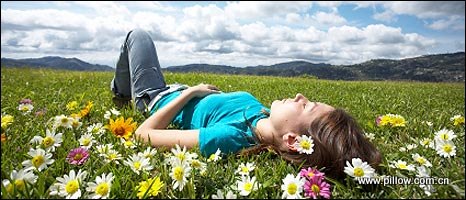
(291, 115)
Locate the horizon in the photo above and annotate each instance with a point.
(243, 66)
(238, 34)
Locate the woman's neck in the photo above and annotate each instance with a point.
(264, 131)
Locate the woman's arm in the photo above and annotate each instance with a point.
(153, 128)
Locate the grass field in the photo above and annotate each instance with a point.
(426, 107)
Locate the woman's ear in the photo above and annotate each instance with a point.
(289, 139)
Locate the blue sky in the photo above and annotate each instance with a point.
(235, 33)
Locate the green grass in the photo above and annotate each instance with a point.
(365, 100)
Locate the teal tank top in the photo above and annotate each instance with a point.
(222, 120)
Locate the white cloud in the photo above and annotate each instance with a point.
(453, 22)
(329, 19)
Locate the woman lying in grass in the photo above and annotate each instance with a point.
(311, 133)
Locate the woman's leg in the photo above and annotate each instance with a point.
(138, 74)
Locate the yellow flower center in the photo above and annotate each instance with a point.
(244, 169)
(195, 164)
(310, 174)
(444, 136)
(37, 161)
(315, 188)
(128, 143)
(112, 156)
(358, 172)
(402, 166)
(95, 130)
(248, 187)
(78, 156)
(447, 148)
(292, 188)
(421, 160)
(181, 156)
(48, 141)
(72, 186)
(86, 141)
(212, 157)
(102, 189)
(64, 120)
(137, 165)
(305, 144)
(425, 142)
(19, 184)
(178, 173)
(24, 108)
(10, 188)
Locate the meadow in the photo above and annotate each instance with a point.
(428, 110)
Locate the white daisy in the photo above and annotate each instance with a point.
(86, 140)
(410, 147)
(400, 164)
(292, 186)
(244, 169)
(138, 163)
(181, 155)
(69, 185)
(96, 129)
(421, 160)
(63, 121)
(215, 156)
(422, 172)
(112, 156)
(427, 142)
(40, 159)
(104, 148)
(197, 164)
(359, 169)
(304, 144)
(113, 112)
(246, 185)
(25, 108)
(19, 180)
(179, 173)
(50, 141)
(75, 122)
(148, 153)
(444, 135)
(127, 143)
(220, 195)
(101, 187)
(370, 136)
(445, 149)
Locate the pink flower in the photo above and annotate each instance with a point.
(311, 174)
(377, 120)
(25, 101)
(317, 187)
(78, 156)
(41, 112)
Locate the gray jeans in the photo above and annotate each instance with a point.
(138, 75)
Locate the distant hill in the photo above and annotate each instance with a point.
(430, 68)
(56, 63)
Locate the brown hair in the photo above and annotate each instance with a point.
(337, 139)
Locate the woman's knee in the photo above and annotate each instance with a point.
(138, 33)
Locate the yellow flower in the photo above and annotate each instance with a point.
(457, 120)
(7, 120)
(149, 188)
(86, 110)
(122, 128)
(384, 120)
(397, 121)
(72, 105)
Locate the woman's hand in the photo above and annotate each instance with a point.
(202, 90)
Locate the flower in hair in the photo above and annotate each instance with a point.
(304, 144)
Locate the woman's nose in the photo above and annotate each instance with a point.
(298, 97)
